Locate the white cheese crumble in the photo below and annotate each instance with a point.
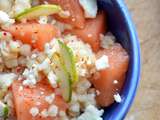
(31, 77)
(91, 113)
(53, 111)
(33, 56)
(20, 5)
(90, 8)
(5, 19)
(102, 63)
(117, 98)
(75, 107)
(6, 79)
(29, 82)
(34, 111)
(82, 86)
(50, 98)
(49, 50)
(107, 40)
(83, 53)
(45, 66)
(52, 79)
(87, 99)
(43, 20)
(62, 113)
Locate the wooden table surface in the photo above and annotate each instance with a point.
(146, 15)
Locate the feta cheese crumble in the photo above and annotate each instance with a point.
(20, 5)
(87, 99)
(45, 65)
(53, 110)
(91, 113)
(34, 111)
(90, 8)
(82, 86)
(107, 40)
(102, 63)
(50, 98)
(117, 98)
(7, 79)
(52, 79)
(5, 19)
(43, 20)
(30, 75)
(75, 107)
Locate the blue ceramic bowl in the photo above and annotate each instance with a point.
(121, 25)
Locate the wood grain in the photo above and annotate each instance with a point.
(146, 16)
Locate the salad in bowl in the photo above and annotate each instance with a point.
(58, 60)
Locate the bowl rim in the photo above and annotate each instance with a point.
(136, 61)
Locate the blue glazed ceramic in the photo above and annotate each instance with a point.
(122, 27)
